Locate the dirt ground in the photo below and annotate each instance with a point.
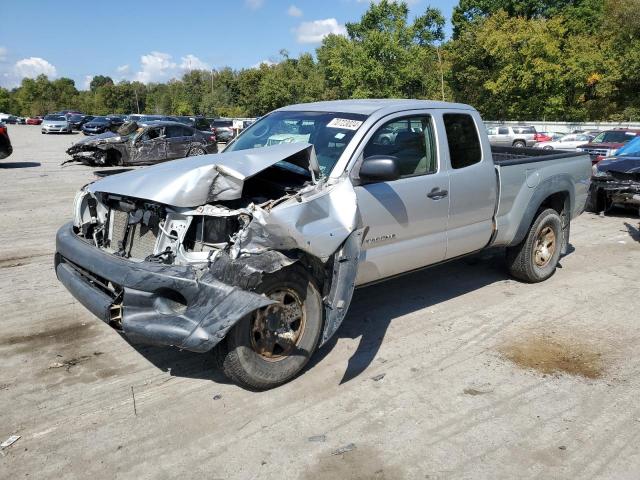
(453, 372)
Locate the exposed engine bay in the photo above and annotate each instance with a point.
(248, 221)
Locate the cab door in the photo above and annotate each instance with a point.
(473, 184)
(407, 217)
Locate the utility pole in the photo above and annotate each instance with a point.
(137, 102)
(441, 72)
(212, 81)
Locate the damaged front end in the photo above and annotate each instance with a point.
(100, 150)
(173, 254)
(616, 181)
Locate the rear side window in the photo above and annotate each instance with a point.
(525, 130)
(173, 131)
(462, 137)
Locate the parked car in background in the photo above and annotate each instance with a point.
(77, 121)
(5, 142)
(518, 137)
(607, 143)
(55, 123)
(223, 129)
(34, 120)
(99, 125)
(8, 119)
(197, 122)
(152, 143)
(570, 141)
(616, 179)
(21, 121)
(553, 136)
(117, 120)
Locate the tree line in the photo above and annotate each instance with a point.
(572, 60)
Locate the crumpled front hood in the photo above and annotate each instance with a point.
(194, 181)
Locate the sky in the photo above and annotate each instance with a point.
(154, 41)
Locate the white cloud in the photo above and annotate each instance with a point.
(3, 54)
(268, 63)
(123, 69)
(155, 67)
(160, 67)
(32, 67)
(294, 11)
(191, 62)
(254, 4)
(87, 82)
(27, 68)
(315, 31)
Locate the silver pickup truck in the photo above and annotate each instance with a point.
(255, 252)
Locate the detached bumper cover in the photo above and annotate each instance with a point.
(161, 304)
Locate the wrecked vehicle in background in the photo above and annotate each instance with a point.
(135, 144)
(616, 180)
(255, 252)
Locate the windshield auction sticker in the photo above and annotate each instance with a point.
(344, 123)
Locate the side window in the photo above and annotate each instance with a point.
(492, 131)
(410, 140)
(503, 131)
(462, 137)
(151, 134)
(174, 131)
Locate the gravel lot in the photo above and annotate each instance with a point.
(453, 372)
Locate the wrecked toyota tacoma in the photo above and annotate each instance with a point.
(142, 144)
(255, 252)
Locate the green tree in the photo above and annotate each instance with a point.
(384, 55)
(100, 81)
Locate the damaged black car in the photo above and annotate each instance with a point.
(142, 144)
(616, 180)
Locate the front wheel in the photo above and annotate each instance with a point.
(536, 257)
(273, 344)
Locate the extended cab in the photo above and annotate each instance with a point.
(256, 251)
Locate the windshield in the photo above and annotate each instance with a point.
(631, 149)
(617, 136)
(75, 118)
(328, 132)
(57, 118)
(100, 120)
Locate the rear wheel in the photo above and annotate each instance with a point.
(519, 144)
(536, 257)
(273, 344)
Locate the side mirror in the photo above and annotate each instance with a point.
(379, 168)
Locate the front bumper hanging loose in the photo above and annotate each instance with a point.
(158, 304)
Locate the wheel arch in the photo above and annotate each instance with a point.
(556, 192)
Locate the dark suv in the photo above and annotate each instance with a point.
(199, 123)
(223, 130)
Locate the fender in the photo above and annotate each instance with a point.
(559, 183)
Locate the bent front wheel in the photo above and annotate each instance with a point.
(274, 343)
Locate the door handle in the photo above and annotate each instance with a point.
(437, 194)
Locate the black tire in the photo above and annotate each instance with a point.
(196, 151)
(519, 144)
(547, 147)
(526, 260)
(237, 353)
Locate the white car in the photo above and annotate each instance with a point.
(55, 123)
(568, 142)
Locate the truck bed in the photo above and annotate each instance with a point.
(505, 156)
